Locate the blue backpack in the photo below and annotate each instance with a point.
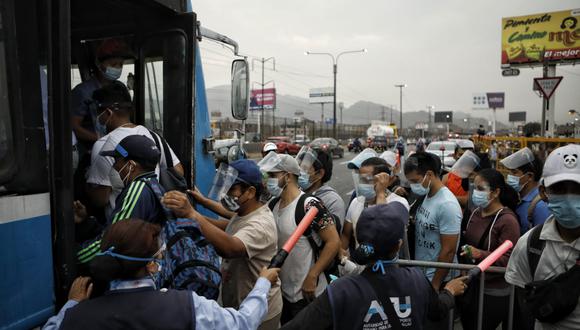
(190, 262)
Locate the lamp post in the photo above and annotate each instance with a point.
(400, 86)
(334, 70)
(574, 113)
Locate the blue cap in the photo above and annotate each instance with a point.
(248, 172)
(381, 227)
(136, 147)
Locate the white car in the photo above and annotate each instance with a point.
(444, 150)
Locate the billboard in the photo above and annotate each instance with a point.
(486, 101)
(443, 117)
(321, 95)
(519, 116)
(544, 37)
(268, 99)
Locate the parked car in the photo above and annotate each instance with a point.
(329, 145)
(302, 139)
(379, 143)
(284, 144)
(444, 150)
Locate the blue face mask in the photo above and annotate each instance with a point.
(566, 209)
(480, 198)
(112, 73)
(514, 182)
(367, 190)
(304, 181)
(419, 190)
(273, 187)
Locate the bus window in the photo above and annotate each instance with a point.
(154, 95)
(6, 143)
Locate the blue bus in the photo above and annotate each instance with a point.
(46, 47)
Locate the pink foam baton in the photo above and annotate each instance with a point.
(491, 259)
(279, 258)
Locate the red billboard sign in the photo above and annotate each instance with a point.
(267, 100)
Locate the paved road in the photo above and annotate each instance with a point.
(341, 176)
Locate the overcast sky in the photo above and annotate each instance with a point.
(443, 50)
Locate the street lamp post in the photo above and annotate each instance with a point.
(334, 71)
(400, 86)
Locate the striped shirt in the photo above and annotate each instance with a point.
(137, 200)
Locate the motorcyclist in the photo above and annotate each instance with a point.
(357, 146)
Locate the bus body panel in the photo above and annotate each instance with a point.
(26, 278)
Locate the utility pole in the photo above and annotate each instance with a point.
(334, 71)
(430, 107)
(263, 61)
(400, 86)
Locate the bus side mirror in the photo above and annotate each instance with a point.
(240, 89)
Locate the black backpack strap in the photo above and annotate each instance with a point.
(272, 203)
(535, 248)
(531, 210)
(160, 142)
(379, 288)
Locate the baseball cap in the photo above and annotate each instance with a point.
(136, 147)
(248, 172)
(390, 157)
(274, 162)
(270, 146)
(111, 48)
(382, 226)
(354, 164)
(562, 165)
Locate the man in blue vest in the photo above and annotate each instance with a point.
(384, 296)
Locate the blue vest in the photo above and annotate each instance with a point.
(355, 305)
(141, 308)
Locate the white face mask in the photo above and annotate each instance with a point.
(125, 179)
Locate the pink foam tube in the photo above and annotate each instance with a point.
(491, 259)
(279, 258)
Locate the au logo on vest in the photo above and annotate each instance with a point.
(376, 311)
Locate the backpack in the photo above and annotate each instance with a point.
(190, 262)
(168, 177)
(553, 299)
(299, 213)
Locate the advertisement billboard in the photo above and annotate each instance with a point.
(519, 116)
(268, 99)
(486, 101)
(321, 95)
(544, 37)
(443, 117)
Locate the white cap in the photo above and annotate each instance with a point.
(270, 146)
(274, 162)
(563, 164)
(390, 157)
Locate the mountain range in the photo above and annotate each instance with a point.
(361, 112)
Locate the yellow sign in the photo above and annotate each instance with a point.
(545, 37)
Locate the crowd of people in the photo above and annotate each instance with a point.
(342, 273)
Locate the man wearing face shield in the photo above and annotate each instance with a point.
(135, 159)
(461, 170)
(315, 172)
(114, 109)
(524, 176)
(109, 58)
(247, 242)
(553, 248)
(371, 185)
(302, 274)
(355, 163)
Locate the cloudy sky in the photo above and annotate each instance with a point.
(444, 50)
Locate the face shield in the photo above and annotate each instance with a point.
(518, 159)
(465, 165)
(270, 163)
(390, 157)
(361, 157)
(223, 180)
(306, 158)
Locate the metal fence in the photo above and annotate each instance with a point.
(466, 267)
